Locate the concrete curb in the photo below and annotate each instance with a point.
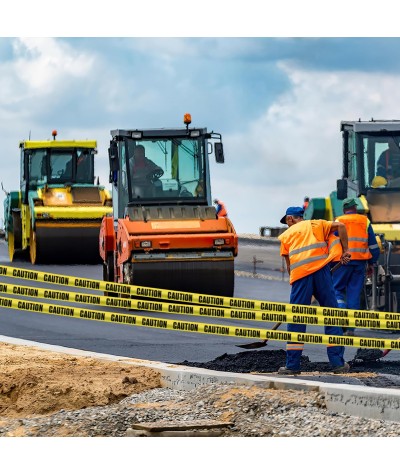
(356, 400)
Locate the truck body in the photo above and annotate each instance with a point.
(164, 232)
(56, 214)
(364, 145)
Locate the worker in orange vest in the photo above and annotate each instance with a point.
(308, 246)
(220, 208)
(348, 281)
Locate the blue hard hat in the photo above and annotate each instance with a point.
(292, 211)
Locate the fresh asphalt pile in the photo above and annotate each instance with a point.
(386, 373)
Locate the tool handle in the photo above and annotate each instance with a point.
(338, 265)
(275, 326)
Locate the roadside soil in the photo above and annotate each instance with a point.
(38, 382)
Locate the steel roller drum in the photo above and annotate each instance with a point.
(206, 277)
(72, 242)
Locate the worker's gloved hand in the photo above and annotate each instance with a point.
(345, 258)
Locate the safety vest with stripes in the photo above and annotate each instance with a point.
(307, 254)
(357, 232)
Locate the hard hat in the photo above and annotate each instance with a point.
(349, 202)
(292, 211)
(379, 181)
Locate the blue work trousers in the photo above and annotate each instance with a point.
(320, 285)
(348, 282)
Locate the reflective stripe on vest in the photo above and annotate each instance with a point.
(357, 232)
(306, 254)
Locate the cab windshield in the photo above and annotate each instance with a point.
(380, 158)
(163, 170)
(61, 166)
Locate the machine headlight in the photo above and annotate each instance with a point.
(145, 244)
(219, 241)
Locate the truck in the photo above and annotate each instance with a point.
(164, 231)
(365, 145)
(56, 214)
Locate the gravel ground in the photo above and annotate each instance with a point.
(253, 412)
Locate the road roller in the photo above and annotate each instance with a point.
(371, 175)
(56, 214)
(164, 231)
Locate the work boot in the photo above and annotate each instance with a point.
(342, 369)
(286, 371)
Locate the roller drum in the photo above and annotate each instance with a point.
(205, 277)
(75, 244)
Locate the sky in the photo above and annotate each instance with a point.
(276, 100)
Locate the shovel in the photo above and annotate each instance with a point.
(371, 355)
(257, 345)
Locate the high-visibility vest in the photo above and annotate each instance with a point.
(222, 212)
(307, 254)
(357, 232)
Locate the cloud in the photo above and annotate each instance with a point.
(42, 65)
(294, 148)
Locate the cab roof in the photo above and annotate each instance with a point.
(33, 144)
(371, 125)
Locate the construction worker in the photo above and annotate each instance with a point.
(308, 247)
(220, 208)
(388, 165)
(348, 280)
(142, 168)
(306, 202)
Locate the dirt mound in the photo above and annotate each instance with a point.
(37, 382)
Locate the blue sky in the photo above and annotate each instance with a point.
(277, 100)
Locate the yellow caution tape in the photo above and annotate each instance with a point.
(195, 327)
(195, 310)
(193, 298)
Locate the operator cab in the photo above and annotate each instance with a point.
(371, 167)
(161, 167)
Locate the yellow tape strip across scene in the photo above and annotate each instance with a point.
(138, 291)
(196, 310)
(193, 298)
(195, 327)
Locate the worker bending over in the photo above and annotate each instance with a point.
(308, 247)
(348, 280)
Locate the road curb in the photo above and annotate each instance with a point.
(356, 400)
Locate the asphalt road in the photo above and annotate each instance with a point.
(156, 344)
